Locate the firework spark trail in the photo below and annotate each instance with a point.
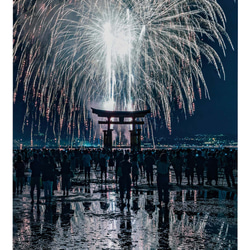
(127, 54)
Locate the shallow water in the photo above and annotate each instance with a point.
(92, 218)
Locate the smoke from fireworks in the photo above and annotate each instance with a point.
(115, 54)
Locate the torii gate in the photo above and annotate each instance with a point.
(135, 134)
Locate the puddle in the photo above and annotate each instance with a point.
(91, 218)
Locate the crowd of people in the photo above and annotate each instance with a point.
(46, 166)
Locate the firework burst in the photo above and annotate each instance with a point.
(125, 55)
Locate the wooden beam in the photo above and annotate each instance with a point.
(116, 122)
(105, 113)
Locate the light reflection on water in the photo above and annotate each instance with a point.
(90, 218)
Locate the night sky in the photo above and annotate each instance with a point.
(219, 114)
(215, 116)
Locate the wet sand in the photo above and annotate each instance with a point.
(91, 217)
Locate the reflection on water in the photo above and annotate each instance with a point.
(91, 218)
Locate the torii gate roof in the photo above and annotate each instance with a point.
(107, 113)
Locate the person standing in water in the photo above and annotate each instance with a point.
(125, 179)
(35, 181)
(163, 178)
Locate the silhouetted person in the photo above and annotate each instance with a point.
(111, 161)
(14, 180)
(177, 163)
(190, 164)
(228, 165)
(19, 167)
(200, 165)
(118, 160)
(86, 160)
(35, 181)
(149, 162)
(55, 174)
(163, 177)
(135, 170)
(103, 164)
(212, 169)
(65, 172)
(140, 162)
(125, 179)
(47, 177)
